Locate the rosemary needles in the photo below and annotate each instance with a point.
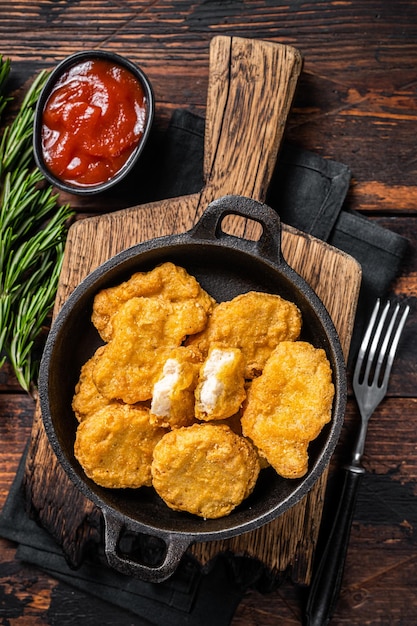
(32, 234)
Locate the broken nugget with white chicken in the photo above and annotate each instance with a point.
(145, 330)
(167, 281)
(288, 405)
(173, 394)
(255, 322)
(221, 387)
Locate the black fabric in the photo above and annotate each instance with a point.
(193, 596)
(308, 193)
(380, 253)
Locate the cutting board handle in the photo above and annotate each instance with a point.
(250, 92)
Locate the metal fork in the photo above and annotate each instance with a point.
(370, 382)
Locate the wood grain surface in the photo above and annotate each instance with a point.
(356, 102)
(252, 85)
(287, 544)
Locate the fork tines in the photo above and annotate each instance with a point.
(380, 340)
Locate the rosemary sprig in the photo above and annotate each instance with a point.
(33, 307)
(4, 74)
(32, 234)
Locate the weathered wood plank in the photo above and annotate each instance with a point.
(386, 542)
(16, 415)
(356, 103)
(234, 68)
(370, 106)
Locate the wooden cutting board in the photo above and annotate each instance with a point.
(251, 88)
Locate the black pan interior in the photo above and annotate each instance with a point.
(224, 272)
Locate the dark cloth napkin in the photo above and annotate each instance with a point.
(308, 193)
(193, 596)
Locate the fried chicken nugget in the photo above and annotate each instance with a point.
(221, 387)
(87, 398)
(235, 424)
(145, 330)
(115, 446)
(204, 469)
(255, 322)
(169, 281)
(173, 393)
(288, 405)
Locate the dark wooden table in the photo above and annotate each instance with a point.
(356, 103)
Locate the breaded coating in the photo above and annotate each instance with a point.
(255, 322)
(288, 405)
(204, 469)
(221, 387)
(234, 424)
(87, 398)
(195, 397)
(173, 394)
(168, 281)
(115, 446)
(145, 330)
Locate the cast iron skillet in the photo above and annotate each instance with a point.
(225, 266)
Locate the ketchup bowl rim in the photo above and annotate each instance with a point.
(55, 75)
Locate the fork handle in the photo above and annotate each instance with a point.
(327, 580)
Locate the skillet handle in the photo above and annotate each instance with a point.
(176, 547)
(209, 226)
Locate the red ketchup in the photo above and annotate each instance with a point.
(92, 122)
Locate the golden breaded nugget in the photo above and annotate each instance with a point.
(234, 424)
(293, 458)
(221, 387)
(115, 446)
(168, 281)
(87, 398)
(173, 394)
(255, 322)
(288, 405)
(205, 469)
(145, 330)
(262, 395)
